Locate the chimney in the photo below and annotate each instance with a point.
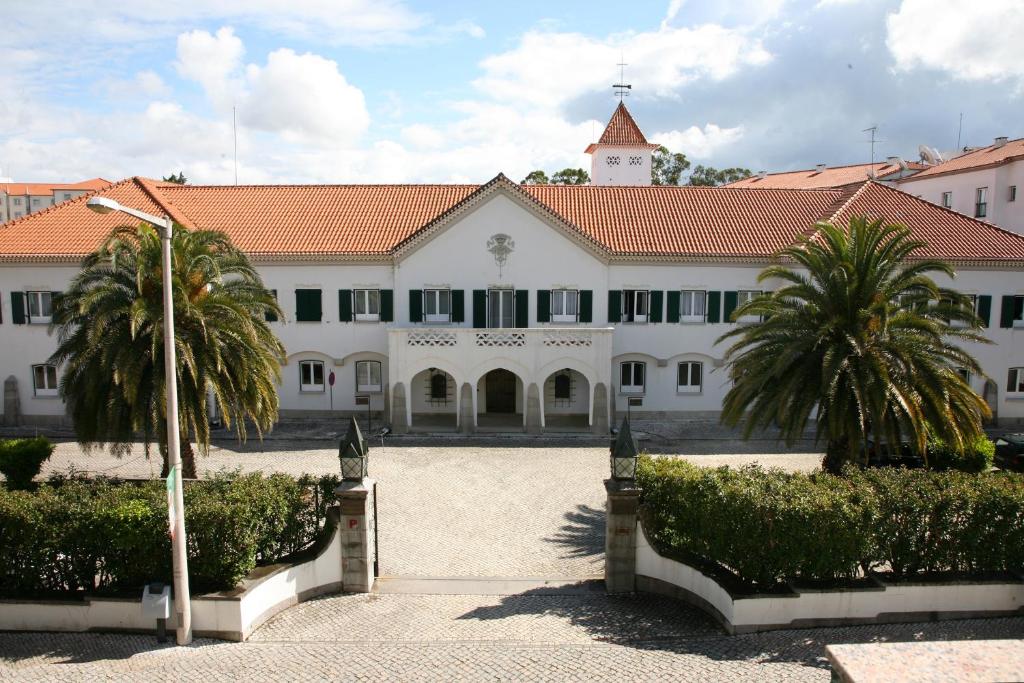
(1000, 141)
(893, 161)
(762, 174)
(819, 168)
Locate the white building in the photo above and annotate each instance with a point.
(982, 183)
(21, 199)
(502, 306)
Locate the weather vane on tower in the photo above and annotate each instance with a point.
(621, 88)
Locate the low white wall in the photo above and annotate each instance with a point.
(886, 603)
(218, 615)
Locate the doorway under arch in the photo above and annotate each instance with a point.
(433, 393)
(500, 400)
(567, 401)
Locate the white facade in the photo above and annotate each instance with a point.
(680, 375)
(1003, 187)
(17, 201)
(620, 165)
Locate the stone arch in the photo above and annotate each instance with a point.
(582, 404)
(363, 355)
(518, 369)
(425, 406)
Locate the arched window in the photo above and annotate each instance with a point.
(563, 386)
(438, 386)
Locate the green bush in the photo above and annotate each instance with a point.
(87, 535)
(978, 455)
(769, 526)
(21, 460)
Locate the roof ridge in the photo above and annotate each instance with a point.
(175, 186)
(849, 200)
(148, 186)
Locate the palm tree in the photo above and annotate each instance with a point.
(110, 324)
(859, 338)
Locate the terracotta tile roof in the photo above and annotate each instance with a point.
(950, 235)
(621, 131)
(287, 221)
(48, 188)
(979, 158)
(835, 176)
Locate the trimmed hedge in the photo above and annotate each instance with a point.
(769, 526)
(96, 536)
(978, 455)
(22, 459)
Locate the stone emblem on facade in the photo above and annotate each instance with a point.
(500, 245)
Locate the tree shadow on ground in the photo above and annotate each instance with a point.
(652, 622)
(583, 535)
(82, 648)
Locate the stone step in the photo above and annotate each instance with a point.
(487, 585)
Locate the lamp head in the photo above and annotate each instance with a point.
(103, 204)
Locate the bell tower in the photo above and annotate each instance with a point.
(622, 156)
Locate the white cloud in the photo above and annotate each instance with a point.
(970, 40)
(305, 99)
(212, 61)
(699, 143)
(660, 62)
(423, 136)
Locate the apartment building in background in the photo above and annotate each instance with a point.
(20, 199)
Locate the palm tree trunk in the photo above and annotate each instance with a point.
(836, 455)
(188, 458)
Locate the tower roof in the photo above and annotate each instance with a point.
(621, 131)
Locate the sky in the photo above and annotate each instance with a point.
(385, 91)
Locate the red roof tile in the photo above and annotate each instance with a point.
(979, 158)
(353, 220)
(621, 131)
(835, 176)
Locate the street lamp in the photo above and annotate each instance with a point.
(624, 454)
(175, 507)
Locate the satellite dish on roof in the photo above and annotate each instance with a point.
(929, 155)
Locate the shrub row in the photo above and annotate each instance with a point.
(769, 526)
(87, 535)
(977, 456)
(21, 459)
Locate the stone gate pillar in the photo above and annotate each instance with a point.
(358, 534)
(599, 419)
(620, 535)
(12, 403)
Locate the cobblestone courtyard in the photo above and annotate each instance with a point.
(467, 509)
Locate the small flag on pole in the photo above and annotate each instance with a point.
(170, 499)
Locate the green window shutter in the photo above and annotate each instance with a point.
(614, 305)
(270, 316)
(415, 305)
(714, 307)
(985, 309)
(480, 308)
(18, 308)
(522, 303)
(1006, 315)
(672, 315)
(586, 307)
(344, 305)
(387, 305)
(543, 305)
(730, 306)
(458, 306)
(308, 306)
(657, 303)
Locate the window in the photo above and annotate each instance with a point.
(981, 202)
(613, 161)
(311, 375)
(689, 377)
(437, 305)
(500, 308)
(1012, 197)
(439, 387)
(636, 161)
(947, 200)
(39, 306)
(631, 377)
(1015, 381)
(67, 196)
(368, 375)
(17, 201)
(35, 201)
(691, 306)
(742, 297)
(971, 305)
(564, 305)
(965, 373)
(1018, 312)
(367, 304)
(563, 387)
(44, 380)
(634, 305)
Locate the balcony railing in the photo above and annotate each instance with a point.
(502, 337)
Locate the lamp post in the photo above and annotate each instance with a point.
(176, 508)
